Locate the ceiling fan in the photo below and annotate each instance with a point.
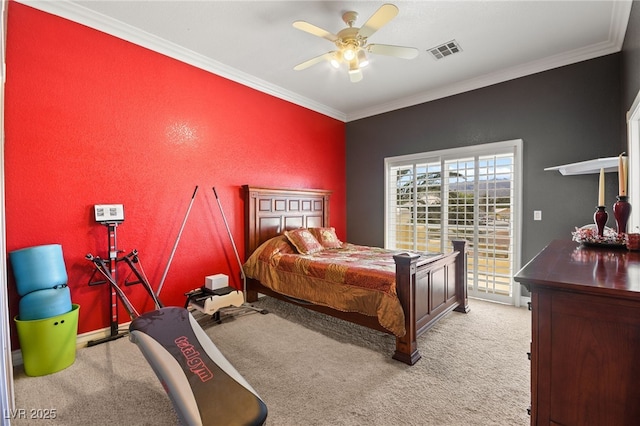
(351, 42)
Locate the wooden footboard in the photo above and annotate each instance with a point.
(427, 291)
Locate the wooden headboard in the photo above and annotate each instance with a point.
(271, 211)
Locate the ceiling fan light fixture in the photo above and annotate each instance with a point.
(363, 61)
(351, 43)
(349, 52)
(336, 59)
(353, 67)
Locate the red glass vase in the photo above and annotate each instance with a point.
(622, 211)
(600, 218)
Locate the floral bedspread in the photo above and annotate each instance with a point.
(350, 279)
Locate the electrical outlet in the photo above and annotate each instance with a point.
(537, 215)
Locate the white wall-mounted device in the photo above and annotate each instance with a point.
(106, 213)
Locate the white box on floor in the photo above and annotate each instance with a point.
(213, 282)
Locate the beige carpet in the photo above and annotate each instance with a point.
(311, 369)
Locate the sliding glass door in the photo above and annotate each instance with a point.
(467, 193)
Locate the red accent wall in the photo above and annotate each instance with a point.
(92, 119)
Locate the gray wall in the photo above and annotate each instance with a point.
(568, 114)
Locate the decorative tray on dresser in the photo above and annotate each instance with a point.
(585, 347)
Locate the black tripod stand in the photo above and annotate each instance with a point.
(108, 269)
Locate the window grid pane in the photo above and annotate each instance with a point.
(432, 234)
(495, 230)
(402, 204)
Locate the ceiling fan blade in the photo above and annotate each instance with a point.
(314, 30)
(389, 50)
(313, 61)
(355, 76)
(383, 15)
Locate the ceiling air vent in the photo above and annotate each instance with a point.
(446, 49)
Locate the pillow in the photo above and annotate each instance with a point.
(278, 244)
(327, 237)
(271, 248)
(303, 241)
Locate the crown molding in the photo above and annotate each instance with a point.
(81, 15)
(77, 13)
(486, 80)
(617, 29)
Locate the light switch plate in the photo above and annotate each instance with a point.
(537, 215)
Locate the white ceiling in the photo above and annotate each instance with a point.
(254, 43)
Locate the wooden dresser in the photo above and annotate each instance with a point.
(585, 348)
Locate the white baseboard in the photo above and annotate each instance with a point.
(81, 340)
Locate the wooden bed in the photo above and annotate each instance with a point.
(427, 289)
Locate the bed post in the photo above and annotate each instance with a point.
(251, 295)
(407, 345)
(461, 276)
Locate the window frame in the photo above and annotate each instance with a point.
(514, 146)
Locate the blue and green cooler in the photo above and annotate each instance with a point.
(47, 321)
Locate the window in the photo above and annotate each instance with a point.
(470, 193)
